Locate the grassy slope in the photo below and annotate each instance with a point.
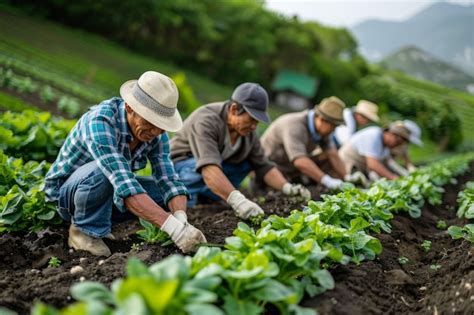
(88, 59)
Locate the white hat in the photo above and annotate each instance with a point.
(415, 132)
(367, 109)
(154, 96)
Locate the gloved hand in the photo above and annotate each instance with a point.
(243, 207)
(296, 190)
(331, 182)
(411, 168)
(357, 177)
(181, 216)
(184, 235)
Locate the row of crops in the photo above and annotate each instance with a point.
(271, 267)
(274, 266)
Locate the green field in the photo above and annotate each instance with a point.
(88, 60)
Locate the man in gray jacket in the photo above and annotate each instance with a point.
(218, 146)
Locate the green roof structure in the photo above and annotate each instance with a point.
(298, 83)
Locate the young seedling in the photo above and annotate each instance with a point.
(261, 200)
(426, 245)
(403, 260)
(256, 220)
(135, 247)
(435, 267)
(152, 234)
(54, 262)
(441, 225)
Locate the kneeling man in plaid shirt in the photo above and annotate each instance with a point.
(92, 179)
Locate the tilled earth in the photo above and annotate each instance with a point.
(435, 282)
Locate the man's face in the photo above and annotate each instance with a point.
(141, 129)
(324, 127)
(392, 140)
(243, 124)
(361, 120)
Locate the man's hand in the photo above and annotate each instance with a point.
(243, 207)
(331, 182)
(357, 178)
(181, 216)
(184, 235)
(296, 190)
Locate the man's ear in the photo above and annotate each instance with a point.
(128, 108)
(233, 108)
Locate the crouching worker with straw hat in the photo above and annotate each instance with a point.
(92, 179)
(218, 147)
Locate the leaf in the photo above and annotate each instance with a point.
(233, 306)
(135, 268)
(324, 278)
(203, 309)
(91, 291)
(47, 216)
(275, 291)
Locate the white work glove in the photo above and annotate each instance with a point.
(373, 176)
(181, 216)
(357, 177)
(411, 168)
(331, 182)
(296, 190)
(243, 207)
(184, 235)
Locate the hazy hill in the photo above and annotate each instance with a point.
(444, 30)
(423, 65)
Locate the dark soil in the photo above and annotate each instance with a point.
(382, 286)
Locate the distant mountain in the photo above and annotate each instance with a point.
(423, 65)
(445, 30)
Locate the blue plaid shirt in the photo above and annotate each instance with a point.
(102, 135)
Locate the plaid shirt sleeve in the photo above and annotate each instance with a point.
(168, 181)
(102, 144)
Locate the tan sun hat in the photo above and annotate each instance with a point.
(367, 109)
(154, 96)
(331, 109)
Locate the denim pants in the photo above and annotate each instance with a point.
(194, 182)
(86, 199)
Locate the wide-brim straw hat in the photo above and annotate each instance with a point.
(154, 96)
(367, 109)
(331, 109)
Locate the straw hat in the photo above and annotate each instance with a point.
(154, 96)
(367, 109)
(331, 109)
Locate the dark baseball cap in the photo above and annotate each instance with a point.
(254, 99)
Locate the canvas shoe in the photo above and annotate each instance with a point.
(81, 241)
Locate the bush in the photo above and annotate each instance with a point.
(47, 94)
(69, 105)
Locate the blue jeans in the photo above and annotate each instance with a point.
(194, 182)
(86, 199)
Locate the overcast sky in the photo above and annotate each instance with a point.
(350, 12)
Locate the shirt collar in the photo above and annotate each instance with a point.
(124, 129)
(312, 130)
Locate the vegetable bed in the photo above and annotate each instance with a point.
(437, 280)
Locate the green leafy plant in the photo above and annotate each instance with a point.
(466, 232)
(54, 262)
(402, 260)
(256, 220)
(441, 225)
(152, 234)
(47, 94)
(69, 106)
(466, 202)
(435, 267)
(426, 245)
